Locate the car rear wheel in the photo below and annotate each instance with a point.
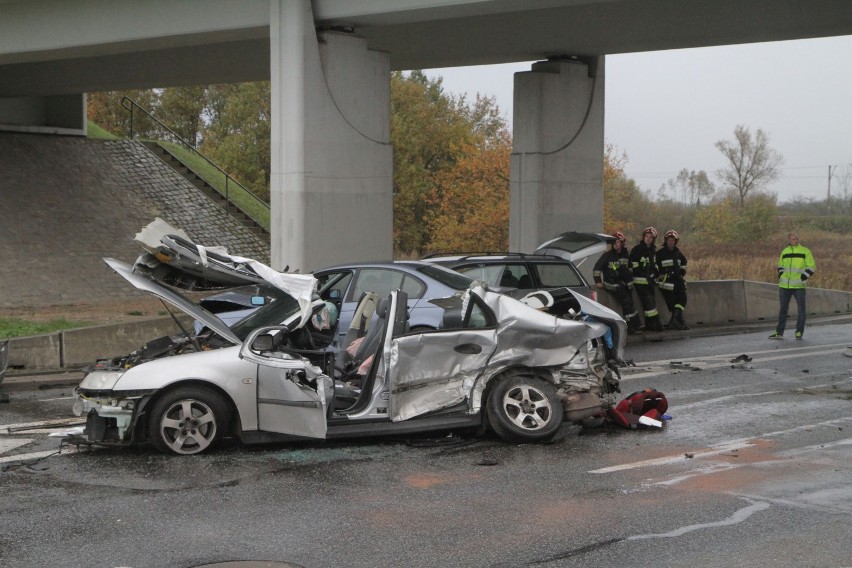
(524, 409)
(188, 420)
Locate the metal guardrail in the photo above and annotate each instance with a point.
(166, 132)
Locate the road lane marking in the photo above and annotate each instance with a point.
(704, 367)
(703, 471)
(38, 455)
(728, 356)
(12, 443)
(719, 448)
(14, 428)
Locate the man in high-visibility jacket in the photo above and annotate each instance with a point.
(795, 265)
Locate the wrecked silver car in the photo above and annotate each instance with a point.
(496, 362)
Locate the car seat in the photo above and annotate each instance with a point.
(508, 280)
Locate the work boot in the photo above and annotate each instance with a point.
(672, 324)
(679, 318)
(653, 323)
(633, 325)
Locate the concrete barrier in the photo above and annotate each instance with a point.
(715, 302)
(74, 348)
(711, 303)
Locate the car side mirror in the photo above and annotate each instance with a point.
(334, 295)
(258, 300)
(263, 342)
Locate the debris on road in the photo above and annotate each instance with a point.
(647, 407)
(741, 359)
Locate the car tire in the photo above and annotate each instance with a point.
(521, 408)
(188, 420)
(421, 329)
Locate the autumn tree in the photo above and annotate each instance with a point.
(624, 202)
(182, 110)
(470, 201)
(105, 110)
(431, 132)
(238, 137)
(751, 163)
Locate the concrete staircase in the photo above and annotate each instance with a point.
(211, 192)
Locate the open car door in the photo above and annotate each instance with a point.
(435, 370)
(291, 393)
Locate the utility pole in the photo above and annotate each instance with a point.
(828, 201)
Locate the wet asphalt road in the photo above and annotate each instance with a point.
(768, 483)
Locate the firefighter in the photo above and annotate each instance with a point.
(644, 269)
(670, 273)
(612, 272)
(795, 265)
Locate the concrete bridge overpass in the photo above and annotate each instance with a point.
(329, 62)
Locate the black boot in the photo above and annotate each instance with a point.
(680, 320)
(633, 324)
(653, 323)
(672, 324)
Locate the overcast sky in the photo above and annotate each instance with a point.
(667, 109)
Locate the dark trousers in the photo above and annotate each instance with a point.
(675, 298)
(624, 295)
(646, 296)
(784, 295)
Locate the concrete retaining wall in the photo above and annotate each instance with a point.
(76, 348)
(714, 302)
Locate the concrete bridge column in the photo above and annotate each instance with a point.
(332, 163)
(557, 159)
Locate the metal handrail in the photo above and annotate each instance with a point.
(129, 104)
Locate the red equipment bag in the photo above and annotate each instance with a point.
(650, 403)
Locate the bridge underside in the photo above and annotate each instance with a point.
(329, 62)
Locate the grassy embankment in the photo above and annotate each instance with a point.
(257, 210)
(16, 327)
(757, 261)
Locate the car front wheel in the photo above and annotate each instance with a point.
(187, 420)
(524, 409)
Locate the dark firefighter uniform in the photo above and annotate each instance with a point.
(670, 279)
(644, 268)
(613, 271)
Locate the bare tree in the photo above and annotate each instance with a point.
(752, 164)
(691, 186)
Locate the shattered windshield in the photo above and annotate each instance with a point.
(283, 307)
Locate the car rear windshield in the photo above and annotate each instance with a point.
(556, 275)
(445, 276)
(573, 243)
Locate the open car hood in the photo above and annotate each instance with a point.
(195, 311)
(176, 262)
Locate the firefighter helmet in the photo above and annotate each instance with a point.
(673, 234)
(619, 236)
(651, 230)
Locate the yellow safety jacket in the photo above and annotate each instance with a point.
(795, 265)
